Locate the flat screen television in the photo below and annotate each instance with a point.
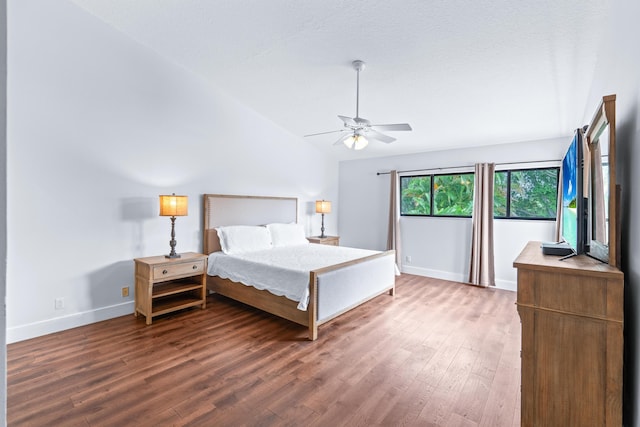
(574, 214)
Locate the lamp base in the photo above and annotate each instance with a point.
(172, 242)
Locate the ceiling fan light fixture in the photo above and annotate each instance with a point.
(356, 142)
(348, 141)
(360, 142)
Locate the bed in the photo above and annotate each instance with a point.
(332, 289)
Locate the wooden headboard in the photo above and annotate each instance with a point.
(224, 209)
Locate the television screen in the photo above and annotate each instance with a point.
(573, 214)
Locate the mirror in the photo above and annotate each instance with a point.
(601, 182)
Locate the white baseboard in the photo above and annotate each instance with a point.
(49, 326)
(57, 324)
(507, 285)
(436, 274)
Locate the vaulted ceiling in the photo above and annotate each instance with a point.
(462, 72)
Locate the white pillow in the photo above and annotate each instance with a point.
(235, 239)
(287, 234)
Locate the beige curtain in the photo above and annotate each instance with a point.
(482, 269)
(393, 235)
(558, 236)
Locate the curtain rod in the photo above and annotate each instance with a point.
(470, 166)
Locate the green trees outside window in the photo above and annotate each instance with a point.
(500, 191)
(453, 195)
(518, 194)
(532, 193)
(415, 195)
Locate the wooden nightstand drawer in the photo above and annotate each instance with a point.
(177, 270)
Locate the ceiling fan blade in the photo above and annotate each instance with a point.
(359, 127)
(379, 136)
(393, 127)
(340, 140)
(323, 133)
(348, 121)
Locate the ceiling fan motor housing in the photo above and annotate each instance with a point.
(361, 122)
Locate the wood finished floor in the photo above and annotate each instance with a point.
(438, 353)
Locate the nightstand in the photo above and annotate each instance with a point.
(327, 240)
(164, 285)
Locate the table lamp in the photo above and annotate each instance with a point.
(173, 206)
(323, 207)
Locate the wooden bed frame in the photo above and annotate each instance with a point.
(221, 210)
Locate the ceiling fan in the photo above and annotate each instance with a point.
(358, 130)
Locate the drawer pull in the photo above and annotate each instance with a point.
(164, 271)
(195, 267)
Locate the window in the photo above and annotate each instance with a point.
(416, 195)
(453, 195)
(518, 194)
(526, 194)
(437, 195)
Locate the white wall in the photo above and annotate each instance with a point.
(618, 72)
(439, 247)
(98, 127)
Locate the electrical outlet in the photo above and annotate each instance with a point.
(59, 303)
(125, 291)
(407, 258)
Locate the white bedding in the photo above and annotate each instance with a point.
(283, 271)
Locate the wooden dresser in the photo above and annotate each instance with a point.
(572, 343)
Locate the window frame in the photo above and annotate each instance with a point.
(432, 177)
(508, 198)
(508, 194)
(433, 193)
(430, 195)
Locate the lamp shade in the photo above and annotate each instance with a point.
(173, 205)
(323, 206)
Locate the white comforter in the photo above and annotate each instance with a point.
(283, 271)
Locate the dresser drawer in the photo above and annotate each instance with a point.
(176, 270)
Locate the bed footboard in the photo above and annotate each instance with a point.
(333, 290)
(339, 288)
